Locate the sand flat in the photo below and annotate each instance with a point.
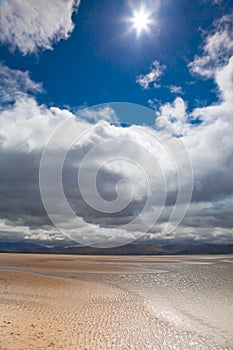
(106, 305)
(39, 312)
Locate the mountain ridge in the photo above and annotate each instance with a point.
(128, 249)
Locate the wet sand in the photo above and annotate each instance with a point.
(104, 303)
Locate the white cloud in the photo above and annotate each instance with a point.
(27, 126)
(210, 143)
(15, 84)
(174, 89)
(217, 49)
(29, 25)
(156, 71)
(172, 116)
(17, 231)
(222, 111)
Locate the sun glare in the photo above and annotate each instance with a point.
(141, 20)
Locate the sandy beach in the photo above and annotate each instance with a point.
(101, 303)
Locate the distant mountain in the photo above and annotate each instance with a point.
(23, 246)
(204, 248)
(128, 249)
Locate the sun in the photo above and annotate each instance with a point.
(141, 20)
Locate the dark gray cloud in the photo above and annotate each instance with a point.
(19, 188)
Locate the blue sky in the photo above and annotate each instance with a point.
(60, 59)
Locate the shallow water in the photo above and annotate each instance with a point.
(192, 296)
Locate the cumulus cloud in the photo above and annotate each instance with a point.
(132, 154)
(30, 25)
(15, 84)
(209, 143)
(26, 127)
(151, 78)
(172, 114)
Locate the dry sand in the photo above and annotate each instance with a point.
(41, 308)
